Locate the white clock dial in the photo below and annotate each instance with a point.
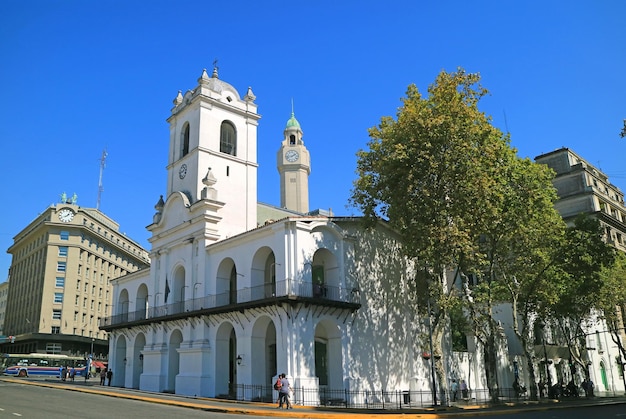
(182, 172)
(66, 215)
(291, 156)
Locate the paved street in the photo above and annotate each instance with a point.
(49, 398)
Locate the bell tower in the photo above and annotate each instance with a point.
(213, 154)
(294, 167)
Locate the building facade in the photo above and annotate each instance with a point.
(239, 291)
(4, 293)
(584, 189)
(60, 280)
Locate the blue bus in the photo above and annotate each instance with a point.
(42, 365)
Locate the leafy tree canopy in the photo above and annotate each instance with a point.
(583, 256)
(428, 171)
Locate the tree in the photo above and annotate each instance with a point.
(583, 258)
(612, 301)
(520, 243)
(449, 182)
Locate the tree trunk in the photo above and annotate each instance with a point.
(491, 365)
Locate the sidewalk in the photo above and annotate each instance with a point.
(266, 409)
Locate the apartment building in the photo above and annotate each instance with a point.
(583, 188)
(60, 280)
(4, 292)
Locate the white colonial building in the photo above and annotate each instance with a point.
(239, 291)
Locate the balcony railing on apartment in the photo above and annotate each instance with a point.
(262, 295)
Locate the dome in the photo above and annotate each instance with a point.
(292, 122)
(217, 85)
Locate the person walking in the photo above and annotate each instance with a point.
(454, 389)
(109, 376)
(464, 390)
(103, 375)
(283, 392)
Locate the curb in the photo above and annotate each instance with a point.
(247, 408)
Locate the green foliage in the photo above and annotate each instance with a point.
(460, 328)
(428, 171)
(582, 258)
(450, 183)
(612, 298)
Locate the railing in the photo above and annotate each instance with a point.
(266, 293)
(367, 399)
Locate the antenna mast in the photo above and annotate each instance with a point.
(100, 187)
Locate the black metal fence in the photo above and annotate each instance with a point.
(369, 399)
(287, 288)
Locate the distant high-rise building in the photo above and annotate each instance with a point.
(4, 291)
(61, 268)
(585, 189)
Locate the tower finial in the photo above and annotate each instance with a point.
(215, 68)
(292, 113)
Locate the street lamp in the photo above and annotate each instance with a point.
(542, 326)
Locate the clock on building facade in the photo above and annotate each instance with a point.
(66, 215)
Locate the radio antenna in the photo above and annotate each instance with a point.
(102, 166)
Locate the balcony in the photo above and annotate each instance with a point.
(289, 291)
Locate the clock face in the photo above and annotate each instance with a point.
(291, 155)
(182, 172)
(66, 215)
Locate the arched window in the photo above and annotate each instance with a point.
(228, 139)
(184, 141)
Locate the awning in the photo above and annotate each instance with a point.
(98, 364)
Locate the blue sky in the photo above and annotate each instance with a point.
(77, 77)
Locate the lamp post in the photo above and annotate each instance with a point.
(542, 326)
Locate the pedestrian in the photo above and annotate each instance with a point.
(464, 390)
(454, 389)
(590, 386)
(283, 393)
(103, 375)
(277, 386)
(72, 373)
(109, 375)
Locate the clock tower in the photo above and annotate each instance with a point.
(294, 166)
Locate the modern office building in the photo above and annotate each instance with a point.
(60, 280)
